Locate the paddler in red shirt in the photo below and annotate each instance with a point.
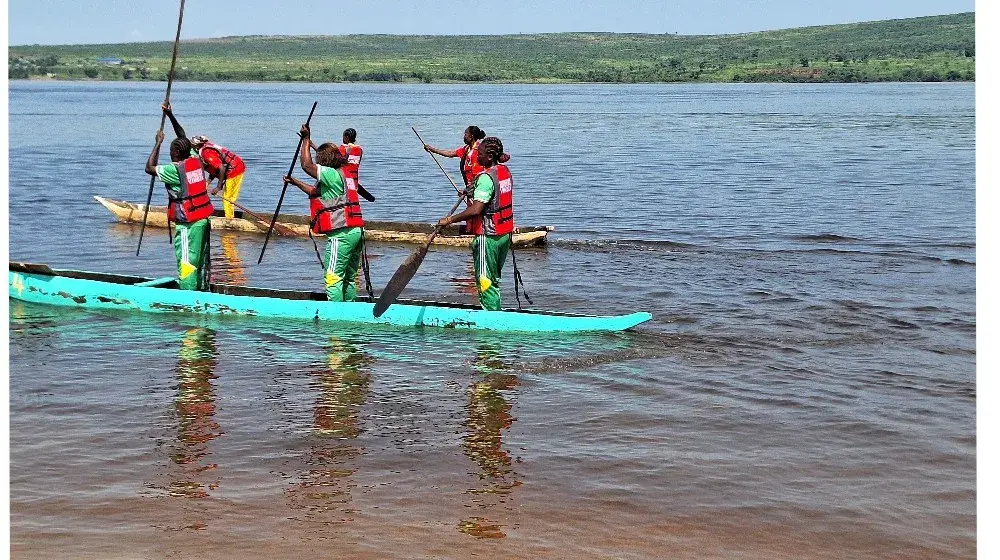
(214, 156)
(469, 165)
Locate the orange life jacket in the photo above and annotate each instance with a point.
(470, 163)
(498, 219)
(329, 214)
(353, 153)
(191, 203)
(235, 162)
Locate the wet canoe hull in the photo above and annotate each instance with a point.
(398, 232)
(103, 291)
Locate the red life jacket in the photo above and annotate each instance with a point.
(498, 219)
(191, 203)
(353, 153)
(211, 154)
(470, 163)
(329, 214)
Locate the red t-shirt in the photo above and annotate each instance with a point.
(210, 155)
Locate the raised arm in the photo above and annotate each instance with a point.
(154, 156)
(178, 129)
(306, 157)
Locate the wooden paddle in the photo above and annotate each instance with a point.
(365, 194)
(282, 230)
(406, 270)
(163, 119)
(285, 188)
(438, 164)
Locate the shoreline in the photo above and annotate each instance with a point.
(486, 83)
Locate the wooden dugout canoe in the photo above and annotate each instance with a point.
(399, 232)
(37, 283)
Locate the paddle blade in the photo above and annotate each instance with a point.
(399, 281)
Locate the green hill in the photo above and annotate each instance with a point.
(935, 48)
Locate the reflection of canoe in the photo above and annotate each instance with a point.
(38, 283)
(401, 232)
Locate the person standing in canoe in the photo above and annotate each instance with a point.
(215, 157)
(335, 212)
(469, 164)
(490, 217)
(188, 206)
(353, 153)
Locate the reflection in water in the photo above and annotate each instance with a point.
(230, 269)
(466, 284)
(323, 492)
(488, 416)
(195, 407)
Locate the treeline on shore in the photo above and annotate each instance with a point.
(934, 48)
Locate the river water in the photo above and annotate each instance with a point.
(806, 388)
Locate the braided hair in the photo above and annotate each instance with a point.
(350, 135)
(493, 148)
(180, 148)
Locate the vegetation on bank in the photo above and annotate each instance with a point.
(935, 48)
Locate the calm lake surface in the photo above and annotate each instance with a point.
(805, 390)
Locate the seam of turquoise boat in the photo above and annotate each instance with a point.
(155, 282)
(60, 290)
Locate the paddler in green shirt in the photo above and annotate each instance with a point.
(335, 212)
(490, 217)
(188, 207)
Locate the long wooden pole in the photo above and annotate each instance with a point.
(450, 180)
(282, 230)
(163, 120)
(291, 168)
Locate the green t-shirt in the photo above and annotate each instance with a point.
(484, 189)
(331, 184)
(168, 174)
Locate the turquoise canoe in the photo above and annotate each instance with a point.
(37, 283)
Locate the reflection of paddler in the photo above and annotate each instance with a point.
(488, 416)
(490, 217)
(335, 212)
(342, 384)
(233, 272)
(195, 406)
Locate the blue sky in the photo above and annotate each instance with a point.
(106, 21)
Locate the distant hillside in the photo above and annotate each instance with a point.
(936, 48)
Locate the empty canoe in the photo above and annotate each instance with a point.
(399, 232)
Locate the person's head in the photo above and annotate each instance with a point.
(198, 141)
(328, 155)
(350, 135)
(180, 149)
(490, 151)
(472, 134)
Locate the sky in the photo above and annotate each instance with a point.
(107, 21)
